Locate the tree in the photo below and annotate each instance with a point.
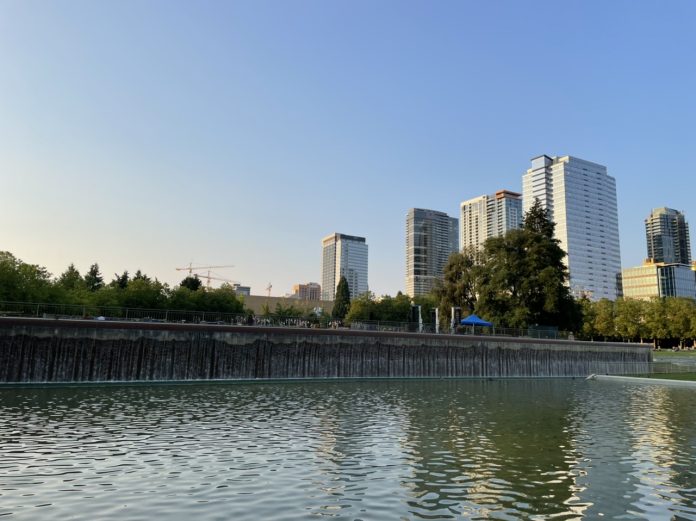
(630, 319)
(589, 314)
(93, 278)
(70, 279)
(537, 220)
(393, 309)
(460, 282)
(427, 303)
(192, 283)
(120, 281)
(342, 300)
(518, 280)
(655, 316)
(362, 308)
(604, 318)
(22, 282)
(139, 275)
(524, 279)
(679, 311)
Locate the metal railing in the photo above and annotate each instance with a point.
(96, 312)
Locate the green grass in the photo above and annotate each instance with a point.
(668, 353)
(671, 376)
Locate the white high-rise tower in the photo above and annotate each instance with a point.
(489, 216)
(581, 199)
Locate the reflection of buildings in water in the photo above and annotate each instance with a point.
(625, 441)
(358, 435)
(654, 442)
(490, 447)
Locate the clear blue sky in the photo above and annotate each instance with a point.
(148, 134)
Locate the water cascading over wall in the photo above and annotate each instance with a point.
(42, 350)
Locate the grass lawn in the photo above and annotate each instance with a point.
(668, 353)
(671, 376)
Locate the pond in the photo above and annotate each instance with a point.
(360, 450)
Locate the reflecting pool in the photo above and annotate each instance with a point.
(370, 450)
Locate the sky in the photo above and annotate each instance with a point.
(150, 134)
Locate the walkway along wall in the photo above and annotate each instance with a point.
(38, 350)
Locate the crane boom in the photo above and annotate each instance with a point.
(191, 268)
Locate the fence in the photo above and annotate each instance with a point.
(91, 312)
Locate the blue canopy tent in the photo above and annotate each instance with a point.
(473, 321)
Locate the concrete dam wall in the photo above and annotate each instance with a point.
(44, 350)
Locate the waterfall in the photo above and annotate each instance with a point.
(79, 351)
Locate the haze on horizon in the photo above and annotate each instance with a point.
(146, 135)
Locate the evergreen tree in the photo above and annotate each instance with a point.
(192, 283)
(93, 278)
(71, 279)
(139, 275)
(519, 280)
(537, 220)
(342, 300)
(120, 281)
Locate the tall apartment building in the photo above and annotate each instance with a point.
(667, 234)
(431, 237)
(489, 216)
(309, 291)
(581, 199)
(343, 255)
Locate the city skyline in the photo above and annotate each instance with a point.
(241, 133)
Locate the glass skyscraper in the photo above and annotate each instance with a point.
(343, 255)
(581, 199)
(667, 235)
(431, 237)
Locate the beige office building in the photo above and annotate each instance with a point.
(658, 279)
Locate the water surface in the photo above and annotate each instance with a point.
(433, 449)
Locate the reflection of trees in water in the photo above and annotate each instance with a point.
(680, 419)
(471, 448)
(484, 447)
(631, 440)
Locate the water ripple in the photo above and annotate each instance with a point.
(349, 450)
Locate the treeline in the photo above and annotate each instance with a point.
(666, 322)
(23, 282)
(390, 309)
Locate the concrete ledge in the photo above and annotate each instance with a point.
(638, 380)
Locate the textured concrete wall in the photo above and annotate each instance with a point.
(36, 350)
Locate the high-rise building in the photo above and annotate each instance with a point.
(431, 237)
(667, 234)
(241, 290)
(581, 200)
(659, 279)
(309, 291)
(343, 255)
(489, 216)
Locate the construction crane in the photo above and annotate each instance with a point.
(191, 268)
(268, 288)
(210, 277)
